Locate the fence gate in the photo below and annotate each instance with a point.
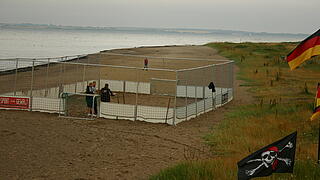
(80, 106)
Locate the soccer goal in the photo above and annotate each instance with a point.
(80, 106)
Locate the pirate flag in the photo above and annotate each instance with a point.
(277, 157)
(212, 87)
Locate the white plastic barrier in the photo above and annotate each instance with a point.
(192, 91)
(114, 85)
(143, 87)
(117, 111)
(144, 113)
(131, 86)
(47, 105)
(154, 114)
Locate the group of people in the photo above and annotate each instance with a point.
(105, 94)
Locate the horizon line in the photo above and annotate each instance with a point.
(139, 27)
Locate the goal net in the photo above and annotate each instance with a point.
(80, 106)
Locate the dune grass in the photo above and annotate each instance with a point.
(283, 104)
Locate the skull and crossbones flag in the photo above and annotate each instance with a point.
(277, 157)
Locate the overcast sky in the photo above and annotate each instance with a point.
(285, 16)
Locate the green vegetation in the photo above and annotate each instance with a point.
(283, 103)
(187, 171)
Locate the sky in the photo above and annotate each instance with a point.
(277, 16)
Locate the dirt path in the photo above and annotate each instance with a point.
(42, 146)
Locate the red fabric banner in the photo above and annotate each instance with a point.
(14, 102)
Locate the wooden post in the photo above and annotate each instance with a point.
(31, 88)
(47, 76)
(195, 99)
(136, 106)
(168, 107)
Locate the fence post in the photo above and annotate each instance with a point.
(212, 101)
(31, 87)
(175, 102)
(124, 87)
(195, 99)
(84, 75)
(186, 99)
(232, 83)
(99, 84)
(100, 57)
(88, 73)
(221, 96)
(204, 99)
(136, 106)
(60, 87)
(47, 76)
(16, 78)
(64, 72)
(213, 94)
(77, 71)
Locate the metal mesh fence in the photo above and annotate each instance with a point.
(158, 93)
(163, 87)
(193, 86)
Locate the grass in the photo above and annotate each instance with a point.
(283, 103)
(187, 171)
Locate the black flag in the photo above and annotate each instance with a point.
(277, 157)
(212, 87)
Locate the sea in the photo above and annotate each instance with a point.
(48, 41)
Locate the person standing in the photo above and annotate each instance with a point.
(94, 90)
(89, 99)
(106, 93)
(146, 61)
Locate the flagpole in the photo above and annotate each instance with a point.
(319, 143)
(315, 105)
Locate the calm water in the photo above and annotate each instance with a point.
(34, 41)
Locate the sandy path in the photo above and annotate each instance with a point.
(42, 146)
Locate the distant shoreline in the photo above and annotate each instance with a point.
(172, 30)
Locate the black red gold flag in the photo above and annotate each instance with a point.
(305, 50)
(277, 157)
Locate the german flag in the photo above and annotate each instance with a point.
(316, 111)
(305, 50)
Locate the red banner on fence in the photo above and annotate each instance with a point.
(14, 102)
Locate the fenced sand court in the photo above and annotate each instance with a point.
(170, 90)
(38, 145)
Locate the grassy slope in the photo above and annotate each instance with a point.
(283, 104)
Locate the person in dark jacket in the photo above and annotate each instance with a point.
(105, 93)
(89, 99)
